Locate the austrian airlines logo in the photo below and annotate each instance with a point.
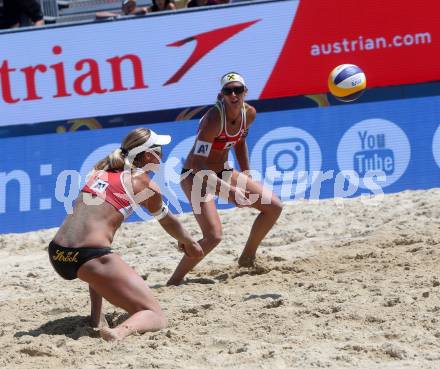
(205, 43)
(86, 75)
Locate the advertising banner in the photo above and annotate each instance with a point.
(154, 63)
(317, 153)
(144, 64)
(394, 42)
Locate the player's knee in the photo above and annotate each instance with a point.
(159, 316)
(142, 304)
(277, 207)
(274, 209)
(161, 319)
(214, 237)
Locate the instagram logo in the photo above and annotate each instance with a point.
(286, 157)
(374, 147)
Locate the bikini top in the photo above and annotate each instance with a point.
(110, 187)
(224, 140)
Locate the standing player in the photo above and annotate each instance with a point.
(224, 126)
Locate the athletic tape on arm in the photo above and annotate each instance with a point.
(202, 148)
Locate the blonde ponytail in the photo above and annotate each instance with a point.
(118, 160)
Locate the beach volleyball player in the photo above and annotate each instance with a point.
(225, 126)
(81, 247)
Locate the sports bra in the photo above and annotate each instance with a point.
(224, 140)
(110, 187)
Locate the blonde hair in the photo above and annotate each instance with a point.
(118, 159)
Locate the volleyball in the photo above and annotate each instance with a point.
(347, 82)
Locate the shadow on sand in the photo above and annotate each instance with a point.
(72, 326)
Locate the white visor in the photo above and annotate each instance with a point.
(156, 139)
(232, 77)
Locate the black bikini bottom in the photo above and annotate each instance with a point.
(67, 260)
(219, 174)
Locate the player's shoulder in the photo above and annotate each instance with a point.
(142, 180)
(251, 112)
(211, 121)
(213, 114)
(249, 108)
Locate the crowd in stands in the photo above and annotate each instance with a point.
(129, 7)
(195, 3)
(20, 13)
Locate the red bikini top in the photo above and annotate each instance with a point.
(224, 140)
(110, 187)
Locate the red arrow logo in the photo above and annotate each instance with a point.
(205, 43)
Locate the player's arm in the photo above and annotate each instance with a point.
(97, 318)
(210, 127)
(241, 148)
(208, 131)
(148, 192)
(242, 154)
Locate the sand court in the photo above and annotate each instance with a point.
(342, 284)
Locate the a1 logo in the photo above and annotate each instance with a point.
(99, 185)
(202, 150)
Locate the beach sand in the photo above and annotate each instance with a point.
(352, 283)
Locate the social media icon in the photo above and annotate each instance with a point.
(286, 157)
(374, 160)
(374, 147)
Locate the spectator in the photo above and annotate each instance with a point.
(20, 13)
(160, 5)
(196, 3)
(128, 8)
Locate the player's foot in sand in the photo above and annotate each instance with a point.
(109, 334)
(174, 282)
(115, 334)
(246, 261)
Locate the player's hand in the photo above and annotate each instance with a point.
(190, 248)
(248, 174)
(240, 196)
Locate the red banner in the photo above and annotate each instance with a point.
(394, 42)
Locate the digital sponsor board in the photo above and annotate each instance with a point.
(283, 48)
(316, 153)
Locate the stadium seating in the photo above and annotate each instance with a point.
(77, 10)
(64, 11)
(67, 11)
